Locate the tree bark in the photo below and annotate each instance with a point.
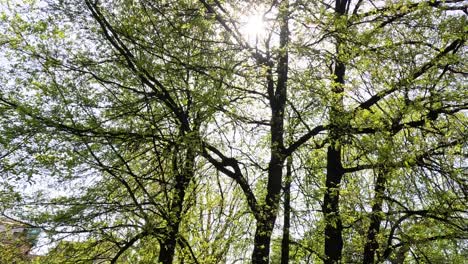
(167, 249)
(277, 97)
(372, 245)
(268, 212)
(333, 245)
(287, 211)
(261, 253)
(169, 240)
(331, 202)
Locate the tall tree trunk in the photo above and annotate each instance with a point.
(264, 229)
(277, 97)
(183, 177)
(331, 201)
(372, 244)
(287, 212)
(167, 246)
(268, 212)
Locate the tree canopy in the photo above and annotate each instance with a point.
(217, 131)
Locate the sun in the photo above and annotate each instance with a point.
(253, 27)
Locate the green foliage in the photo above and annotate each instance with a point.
(12, 253)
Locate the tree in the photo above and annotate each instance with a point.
(145, 174)
(354, 111)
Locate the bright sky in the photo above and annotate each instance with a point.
(254, 27)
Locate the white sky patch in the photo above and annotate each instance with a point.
(254, 27)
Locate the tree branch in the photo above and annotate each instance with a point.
(236, 175)
(453, 47)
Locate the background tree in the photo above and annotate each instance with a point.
(130, 142)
